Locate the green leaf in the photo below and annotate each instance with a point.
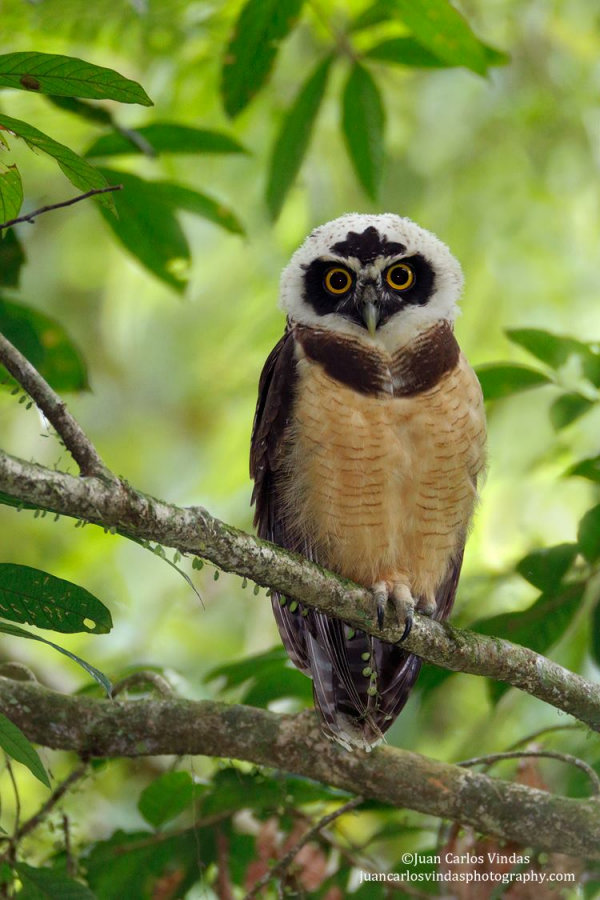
(250, 55)
(49, 884)
(586, 468)
(405, 51)
(148, 228)
(249, 667)
(567, 408)
(45, 344)
(88, 111)
(133, 866)
(363, 121)
(546, 568)
(280, 682)
(165, 137)
(555, 350)
(20, 748)
(67, 76)
(96, 674)
(202, 205)
(294, 136)
(538, 627)
(11, 192)
(588, 534)
(440, 28)
(504, 379)
(12, 259)
(79, 171)
(233, 789)
(380, 11)
(166, 797)
(595, 635)
(37, 598)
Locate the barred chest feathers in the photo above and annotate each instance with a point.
(381, 471)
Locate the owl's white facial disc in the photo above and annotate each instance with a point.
(363, 250)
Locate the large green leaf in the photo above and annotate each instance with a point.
(12, 259)
(96, 674)
(250, 55)
(294, 136)
(45, 344)
(78, 170)
(37, 598)
(546, 568)
(11, 193)
(165, 137)
(588, 534)
(405, 51)
(20, 748)
(184, 198)
(555, 350)
(166, 797)
(66, 76)
(363, 121)
(568, 408)
(50, 884)
(439, 27)
(148, 228)
(504, 379)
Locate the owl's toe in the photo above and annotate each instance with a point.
(402, 601)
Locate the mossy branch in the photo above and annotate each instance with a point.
(192, 530)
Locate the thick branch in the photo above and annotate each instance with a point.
(296, 744)
(194, 530)
(55, 410)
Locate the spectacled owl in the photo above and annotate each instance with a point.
(367, 447)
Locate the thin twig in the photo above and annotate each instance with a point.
(572, 726)
(30, 217)
(289, 857)
(32, 823)
(75, 440)
(143, 679)
(547, 754)
(13, 781)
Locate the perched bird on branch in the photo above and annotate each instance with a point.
(367, 447)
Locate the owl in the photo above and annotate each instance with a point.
(367, 448)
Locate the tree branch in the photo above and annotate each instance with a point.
(105, 728)
(192, 530)
(75, 440)
(30, 217)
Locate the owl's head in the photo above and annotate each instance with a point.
(381, 278)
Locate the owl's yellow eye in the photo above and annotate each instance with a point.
(400, 277)
(338, 281)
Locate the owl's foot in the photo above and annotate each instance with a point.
(402, 600)
(405, 605)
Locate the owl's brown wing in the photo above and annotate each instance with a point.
(276, 390)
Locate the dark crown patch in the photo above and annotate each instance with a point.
(367, 246)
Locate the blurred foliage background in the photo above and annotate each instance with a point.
(503, 167)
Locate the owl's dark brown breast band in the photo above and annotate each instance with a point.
(367, 370)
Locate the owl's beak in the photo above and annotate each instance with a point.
(370, 309)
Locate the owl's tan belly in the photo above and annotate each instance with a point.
(383, 487)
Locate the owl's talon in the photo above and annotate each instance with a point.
(407, 626)
(381, 597)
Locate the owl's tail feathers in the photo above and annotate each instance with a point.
(360, 683)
